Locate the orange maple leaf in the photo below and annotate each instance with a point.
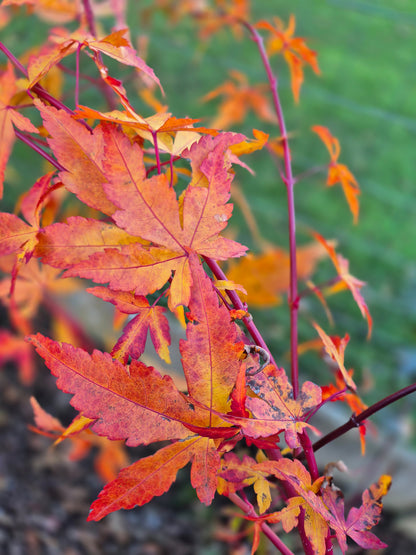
(236, 474)
(352, 283)
(50, 11)
(14, 348)
(294, 50)
(111, 456)
(173, 134)
(143, 208)
(317, 516)
(339, 173)
(239, 97)
(225, 13)
(116, 45)
(335, 347)
(337, 393)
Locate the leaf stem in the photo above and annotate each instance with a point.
(319, 287)
(309, 173)
(77, 75)
(40, 91)
(289, 181)
(356, 420)
(90, 17)
(28, 141)
(248, 509)
(157, 153)
(238, 304)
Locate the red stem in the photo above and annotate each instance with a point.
(356, 420)
(77, 76)
(309, 454)
(267, 531)
(238, 304)
(289, 182)
(157, 153)
(90, 17)
(27, 140)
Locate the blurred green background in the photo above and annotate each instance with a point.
(366, 97)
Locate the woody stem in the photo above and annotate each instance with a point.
(289, 182)
(267, 531)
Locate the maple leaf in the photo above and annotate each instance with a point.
(116, 45)
(152, 318)
(64, 244)
(211, 353)
(17, 236)
(210, 363)
(274, 410)
(149, 209)
(335, 348)
(266, 276)
(81, 153)
(339, 173)
(359, 520)
(352, 283)
(111, 455)
(137, 404)
(134, 403)
(151, 476)
(9, 118)
(294, 50)
(251, 145)
(237, 474)
(14, 234)
(162, 124)
(48, 10)
(239, 98)
(224, 13)
(317, 515)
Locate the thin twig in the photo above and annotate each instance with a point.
(238, 304)
(289, 182)
(356, 420)
(28, 141)
(267, 531)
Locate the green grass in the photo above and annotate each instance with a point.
(366, 97)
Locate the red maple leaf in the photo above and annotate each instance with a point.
(273, 408)
(137, 404)
(133, 340)
(359, 520)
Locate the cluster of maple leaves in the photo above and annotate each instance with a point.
(156, 245)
